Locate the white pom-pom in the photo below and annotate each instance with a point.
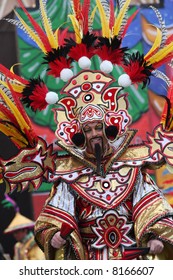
(124, 80)
(106, 66)
(66, 74)
(51, 97)
(84, 62)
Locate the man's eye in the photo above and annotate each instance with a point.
(87, 130)
(100, 127)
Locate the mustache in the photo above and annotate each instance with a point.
(96, 137)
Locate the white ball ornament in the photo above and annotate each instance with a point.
(106, 66)
(66, 74)
(51, 97)
(84, 62)
(124, 80)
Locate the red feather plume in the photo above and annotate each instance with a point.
(106, 53)
(58, 65)
(80, 50)
(38, 97)
(137, 68)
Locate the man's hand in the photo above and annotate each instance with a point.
(156, 246)
(57, 241)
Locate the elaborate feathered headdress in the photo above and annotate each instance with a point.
(88, 95)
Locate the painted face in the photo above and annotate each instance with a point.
(94, 134)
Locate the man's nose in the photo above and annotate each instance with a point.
(94, 132)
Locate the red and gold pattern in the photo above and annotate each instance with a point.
(107, 192)
(112, 230)
(29, 167)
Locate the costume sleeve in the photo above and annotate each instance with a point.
(152, 215)
(58, 211)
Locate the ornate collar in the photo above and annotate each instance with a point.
(118, 148)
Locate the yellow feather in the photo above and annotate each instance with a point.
(3, 116)
(104, 21)
(48, 27)
(120, 17)
(4, 83)
(14, 134)
(76, 28)
(156, 44)
(12, 67)
(161, 54)
(18, 88)
(93, 13)
(22, 123)
(31, 33)
(56, 34)
(19, 143)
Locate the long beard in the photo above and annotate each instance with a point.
(98, 155)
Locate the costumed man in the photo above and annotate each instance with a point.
(103, 204)
(107, 202)
(25, 248)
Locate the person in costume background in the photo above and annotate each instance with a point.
(103, 204)
(25, 247)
